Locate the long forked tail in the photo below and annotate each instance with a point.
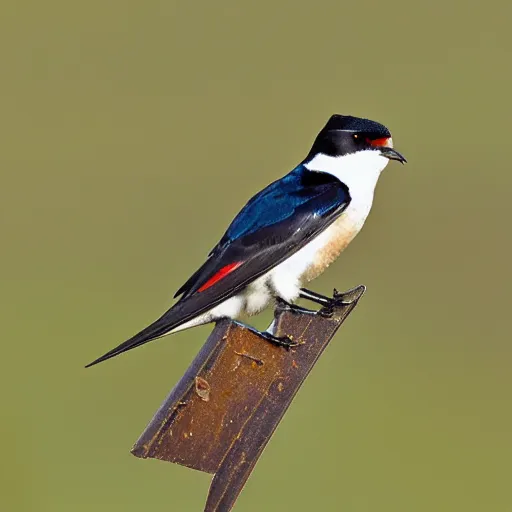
(164, 325)
(187, 312)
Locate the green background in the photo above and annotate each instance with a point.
(132, 132)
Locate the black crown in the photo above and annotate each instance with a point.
(355, 124)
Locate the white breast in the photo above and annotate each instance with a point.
(360, 172)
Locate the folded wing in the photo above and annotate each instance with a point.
(273, 225)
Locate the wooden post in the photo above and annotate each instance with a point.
(221, 414)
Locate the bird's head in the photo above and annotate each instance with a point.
(350, 136)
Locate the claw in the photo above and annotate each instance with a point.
(342, 302)
(326, 312)
(280, 341)
(339, 300)
(285, 342)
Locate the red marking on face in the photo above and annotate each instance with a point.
(383, 142)
(223, 272)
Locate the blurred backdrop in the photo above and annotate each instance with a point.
(132, 132)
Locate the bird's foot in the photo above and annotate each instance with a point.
(328, 303)
(282, 305)
(281, 341)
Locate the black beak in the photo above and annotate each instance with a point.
(392, 154)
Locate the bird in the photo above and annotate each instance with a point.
(286, 235)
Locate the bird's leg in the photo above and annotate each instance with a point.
(315, 297)
(294, 308)
(328, 303)
(280, 341)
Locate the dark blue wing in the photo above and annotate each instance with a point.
(281, 199)
(276, 222)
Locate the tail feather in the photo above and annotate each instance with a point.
(188, 308)
(157, 329)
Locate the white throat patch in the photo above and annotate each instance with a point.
(356, 170)
(359, 172)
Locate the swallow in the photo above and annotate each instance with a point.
(286, 235)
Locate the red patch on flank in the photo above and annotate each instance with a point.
(378, 142)
(223, 272)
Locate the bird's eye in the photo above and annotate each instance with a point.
(356, 136)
